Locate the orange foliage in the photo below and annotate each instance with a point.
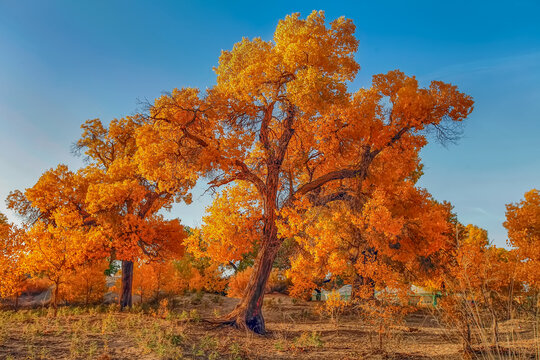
(35, 286)
(230, 229)
(123, 202)
(282, 123)
(209, 279)
(387, 241)
(12, 271)
(86, 284)
(277, 282)
(157, 278)
(238, 283)
(523, 225)
(480, 271)
(57, 240)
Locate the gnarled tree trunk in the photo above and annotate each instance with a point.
(248, 313)
(126, 298)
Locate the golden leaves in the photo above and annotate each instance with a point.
(231, 228)
(523, 225)
(304, 158)
(11, 259)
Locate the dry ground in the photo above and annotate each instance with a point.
(177, 331)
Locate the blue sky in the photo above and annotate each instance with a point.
(62, 62)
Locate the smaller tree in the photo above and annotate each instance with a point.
(12, 271)
(54, 253)
(58, 239)
(479, 284)
(230, 231)
(523, 225)
(155, 279)
(86, 285)
(124, 202)
(462, 280)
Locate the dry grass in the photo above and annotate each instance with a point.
(174, 330)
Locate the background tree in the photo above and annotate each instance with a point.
(387, 242)
(12, 270)
(230, 231)
(124, 202)
(479, 282)
(156, 279)
(58, 238)
(523, 225)
(86, 285)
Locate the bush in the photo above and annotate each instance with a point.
(85, 285)
(35, 286)
(333, 306)
(238, 283)
(277, 282)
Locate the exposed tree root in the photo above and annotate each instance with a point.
(237, 321)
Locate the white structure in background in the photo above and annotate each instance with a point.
(417, 295)
(345, 293)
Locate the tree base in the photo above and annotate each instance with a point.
(126, 299)
(241, 322)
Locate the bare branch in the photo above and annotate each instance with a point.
(244, 174)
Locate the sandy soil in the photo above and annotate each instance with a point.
(178, 331)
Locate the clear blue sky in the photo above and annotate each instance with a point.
(62, 62)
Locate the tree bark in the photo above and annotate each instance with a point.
(248, 313)
(126, 298)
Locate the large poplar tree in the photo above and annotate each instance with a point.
(282, 119)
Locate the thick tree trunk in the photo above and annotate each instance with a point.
(126, 298)
(248, 313)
